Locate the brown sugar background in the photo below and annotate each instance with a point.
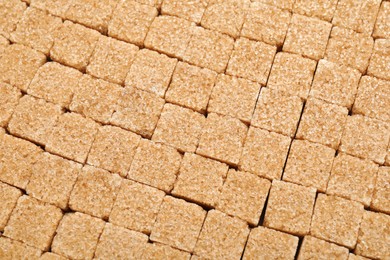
(202, 129)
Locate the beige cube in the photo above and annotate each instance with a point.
(353, 178)
(380, 60)
(235, 97)
(336, 220)
(94, 192)
(283, 4)
(322, 123)
(191, 86)
(264, 153)
(251, 60)
(11, 12)
(270, 244)
(33, 222)
(54, 7)
(51, 256)
(77, 236)
(307, 36)
(314, 248)
(9, 99)
(228, 242)
(243, 195)
(12, 249)
(191, 184)
(155, 164)
(52, 179)
(335, 83)
(309, 164)
(190, 10)
(322, 9)
(9, 196)
(136, 206)
(381, 196)
(290, 207)
(366, 138)
(160, 251)
(113, 149)
(382, 25)
(178, 224)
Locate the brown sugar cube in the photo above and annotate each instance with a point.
(264, 153)
(35, 29)
(8, 195)
(158, 251)
(277, 112)
(234, 96)
(33, 222)
(151, 71)
(283, 4)
(155, 164)
(335, 83)
(292, 74)
(192, 11)
(92, 13)
(322, 9)
(356, 257)
(18, 65)
(136, 206)
(191, 86)
(72, 137)
(266, 23)
(54, 7)
(12, 249)
(381, 196)
(322, 123)
(51, 256)
(359, 16)
(349, 48)
(307, 36)
(73, 45)
(352, 178)
(226, 234)
(251, 60)
(243, 195)
(11, 11)
(178, 224)
(130, 21)
(94, 192)
(17, 158)
(290, 208)
(380, 60)
(191, 185)
(33, 119)
(366, 138)
(55, 83)
(9, 99)
(77, 236)
(179, 127)
(382, 25)
(169, 35)
(314, 248)
(113, 149)
(225, 16)
(222, 138)
(309, 164)
(373, 239)
(270, 244)
(52, 179)
(336, 220)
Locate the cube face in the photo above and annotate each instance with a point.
(33, 222)
(381, 191)
(380, 60)
(9, 196)
(12, 249)
(382, 25)
(77, 236)
(113, 149)
(243, 195)
(235, 97)
(136, 206)
(222, 138)
(251, 60)
(336, 220)
(323, 9)
(353, 178)
(316, 248)
(309, 164)
(192, 11)
(52, 179)
(365, 138)
(9, 99)
(268, 243)
(277, 112)
(322, 123)
(94, 192)
(157, 250)
(307, 36)
(283, 4)
(190, 183)
(290, 208)
(156, 165)
(292, 74)
(229, 241)
(335, 83)
(54, 7)
(264, 153)
(10, 12)
(178, 224)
